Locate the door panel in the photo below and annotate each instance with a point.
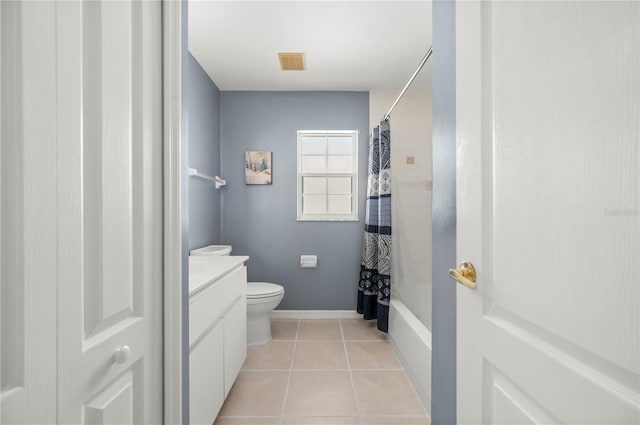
(107, 145)
(548, 107)
(588, 139)
(115, 404)
(110, 211)
(28, 230)
(511, 405)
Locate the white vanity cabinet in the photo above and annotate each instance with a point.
(235, 341)
(217, 332)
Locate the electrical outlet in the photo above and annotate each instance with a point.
(411, 160)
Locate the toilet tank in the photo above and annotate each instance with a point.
(211, 250)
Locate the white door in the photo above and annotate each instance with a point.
(110, 212)
(548, 142)
(28, 231)
(82, 197)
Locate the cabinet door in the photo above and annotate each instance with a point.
(235, 341)
(206, 376)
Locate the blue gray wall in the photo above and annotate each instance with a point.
(443, 364)
(260, 220)
(203, 103)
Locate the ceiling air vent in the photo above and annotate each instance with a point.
(291, 61)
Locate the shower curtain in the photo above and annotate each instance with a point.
(374, 287)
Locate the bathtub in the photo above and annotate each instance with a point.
(411, 341)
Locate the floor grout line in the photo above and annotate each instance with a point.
(326, 370)
(286, 391)
(341, 340)
(353, 385)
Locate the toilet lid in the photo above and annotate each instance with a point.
(263, 289)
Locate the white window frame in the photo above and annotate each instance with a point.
(353, 216)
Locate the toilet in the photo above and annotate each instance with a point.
(262, 298)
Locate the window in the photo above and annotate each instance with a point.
(327, 175)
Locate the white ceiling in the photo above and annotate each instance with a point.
(348, 45)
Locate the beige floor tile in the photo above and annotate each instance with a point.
(272, 355)
(256, 393)
(284, 329)
(320, 355)
(371, 355)
(395, 420)
(256, 420)
(320, 420)
(325, 330)
(321, 393)
(361, 330)
(386, 392)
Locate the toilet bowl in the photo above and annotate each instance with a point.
(262, 298)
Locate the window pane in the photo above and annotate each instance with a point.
(314, 164)
(339, 186)
(314, 185)
(314, 204)
(314, 145)
(340, 204)
(340, 145)
(339, 164)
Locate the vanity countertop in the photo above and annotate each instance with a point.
(205, 270)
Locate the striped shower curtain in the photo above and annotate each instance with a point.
(374, 287)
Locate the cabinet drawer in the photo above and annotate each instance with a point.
(209, 305)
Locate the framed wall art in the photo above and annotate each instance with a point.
(257, 167)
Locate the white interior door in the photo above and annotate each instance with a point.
(548, 141)
(109, 212)
(28, 264)
(81, 212)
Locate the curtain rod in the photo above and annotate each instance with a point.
(413, 77)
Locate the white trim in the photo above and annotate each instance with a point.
(315, 314)
(172, 243)
(328, 217)
(2, 55)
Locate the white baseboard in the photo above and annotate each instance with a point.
(315, 314)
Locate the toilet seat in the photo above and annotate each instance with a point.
(257, 290)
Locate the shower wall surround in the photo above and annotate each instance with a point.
(260, 220)
(411, 196)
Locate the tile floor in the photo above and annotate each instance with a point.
(322, 372)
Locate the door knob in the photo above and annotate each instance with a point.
(122, 354)
(465, 274)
